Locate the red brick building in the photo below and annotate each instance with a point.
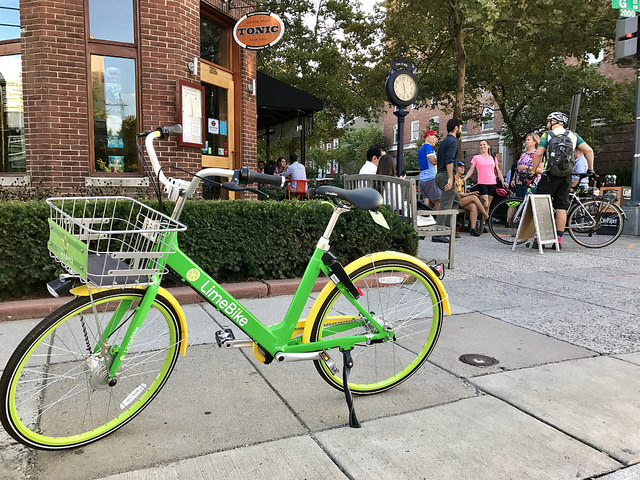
(80, 77)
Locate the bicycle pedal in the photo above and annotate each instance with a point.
(223, 336)
(329, 363)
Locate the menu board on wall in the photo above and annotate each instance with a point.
(191, 114)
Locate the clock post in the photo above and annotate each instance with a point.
(400, 113)
(402, 89)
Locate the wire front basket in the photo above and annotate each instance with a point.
(111, 241)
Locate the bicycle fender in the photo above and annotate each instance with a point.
(83, 291)
(353, 266)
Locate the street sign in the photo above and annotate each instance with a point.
(627, 13)
(626, 4)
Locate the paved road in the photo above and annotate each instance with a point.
(562, 403)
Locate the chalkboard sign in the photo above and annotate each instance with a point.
(538, 221)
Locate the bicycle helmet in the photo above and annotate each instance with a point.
(558, 117)
(502, 192)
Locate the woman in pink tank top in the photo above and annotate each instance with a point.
(487, 169)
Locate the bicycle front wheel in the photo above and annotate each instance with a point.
(401, 296)
(504, 219)
(595, 223)
(54, 393)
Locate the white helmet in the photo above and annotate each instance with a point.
(558, 117)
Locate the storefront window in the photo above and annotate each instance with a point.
(114, 114)
(216, 112)
(12, 153)
(111, 20)
(10, 19)
(214, 42)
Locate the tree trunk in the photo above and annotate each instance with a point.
(457, 32)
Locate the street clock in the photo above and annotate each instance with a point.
(401, 85)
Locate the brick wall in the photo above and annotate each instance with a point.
(249, 109)
(170, 39)
(55, 86)
(55, 92)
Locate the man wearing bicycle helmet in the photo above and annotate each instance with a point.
(558, 186)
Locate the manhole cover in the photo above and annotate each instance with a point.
(478, 360)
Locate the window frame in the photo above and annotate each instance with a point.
(489, 124)
(415, 132)
(110, 48)
(9, 48)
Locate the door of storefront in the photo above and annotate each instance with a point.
(219, 114)
(219, 150)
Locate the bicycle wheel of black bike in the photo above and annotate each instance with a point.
(504, 219)
(595, 223)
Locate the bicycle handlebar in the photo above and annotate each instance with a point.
(166, 132)
(176, 187)
(250, 176)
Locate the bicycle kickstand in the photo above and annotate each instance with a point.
(346, 369)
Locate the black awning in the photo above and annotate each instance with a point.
(279, 102)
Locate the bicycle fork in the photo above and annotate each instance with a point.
(116, 353)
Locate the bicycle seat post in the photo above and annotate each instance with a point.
(338, 210)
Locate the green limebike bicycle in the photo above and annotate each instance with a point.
(94, 364)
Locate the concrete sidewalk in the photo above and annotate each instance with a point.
(562, 403)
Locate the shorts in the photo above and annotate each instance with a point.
(558, 188)
(430, 190)
(486, 189)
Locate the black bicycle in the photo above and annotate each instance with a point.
(592, 221)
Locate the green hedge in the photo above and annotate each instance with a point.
(232, 240)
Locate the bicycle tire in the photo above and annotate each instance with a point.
(502, 229)
(399, 293)
(52, 398)
(595, 223)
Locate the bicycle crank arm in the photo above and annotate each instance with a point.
(298, 356)
(239, 343)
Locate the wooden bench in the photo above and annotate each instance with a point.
(400, 194)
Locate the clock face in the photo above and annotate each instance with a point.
(405, 88)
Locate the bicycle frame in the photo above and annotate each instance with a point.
(278, 338)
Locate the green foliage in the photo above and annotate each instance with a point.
(25, 264)
(327, 50)
(232, 240)
(530, 55)
(352, 151)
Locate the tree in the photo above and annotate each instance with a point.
(435, 35)
(529, 55)
(352, 152)
(326, 50)
(535, 60)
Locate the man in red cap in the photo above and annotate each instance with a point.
(427, 161)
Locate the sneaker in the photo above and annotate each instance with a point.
(458, 235)
(440, 239)
(474, 233)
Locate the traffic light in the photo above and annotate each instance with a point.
(626, 47)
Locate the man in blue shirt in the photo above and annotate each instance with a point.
(447, 158)
(296, 171)
(427, 163)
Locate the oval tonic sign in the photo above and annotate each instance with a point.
(258, 30)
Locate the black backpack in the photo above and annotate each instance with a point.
(560, 158)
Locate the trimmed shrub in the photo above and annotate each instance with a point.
(232, 240)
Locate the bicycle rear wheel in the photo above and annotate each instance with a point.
(504, 219)
(404, 298)
(595, 223)
(53, 392)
